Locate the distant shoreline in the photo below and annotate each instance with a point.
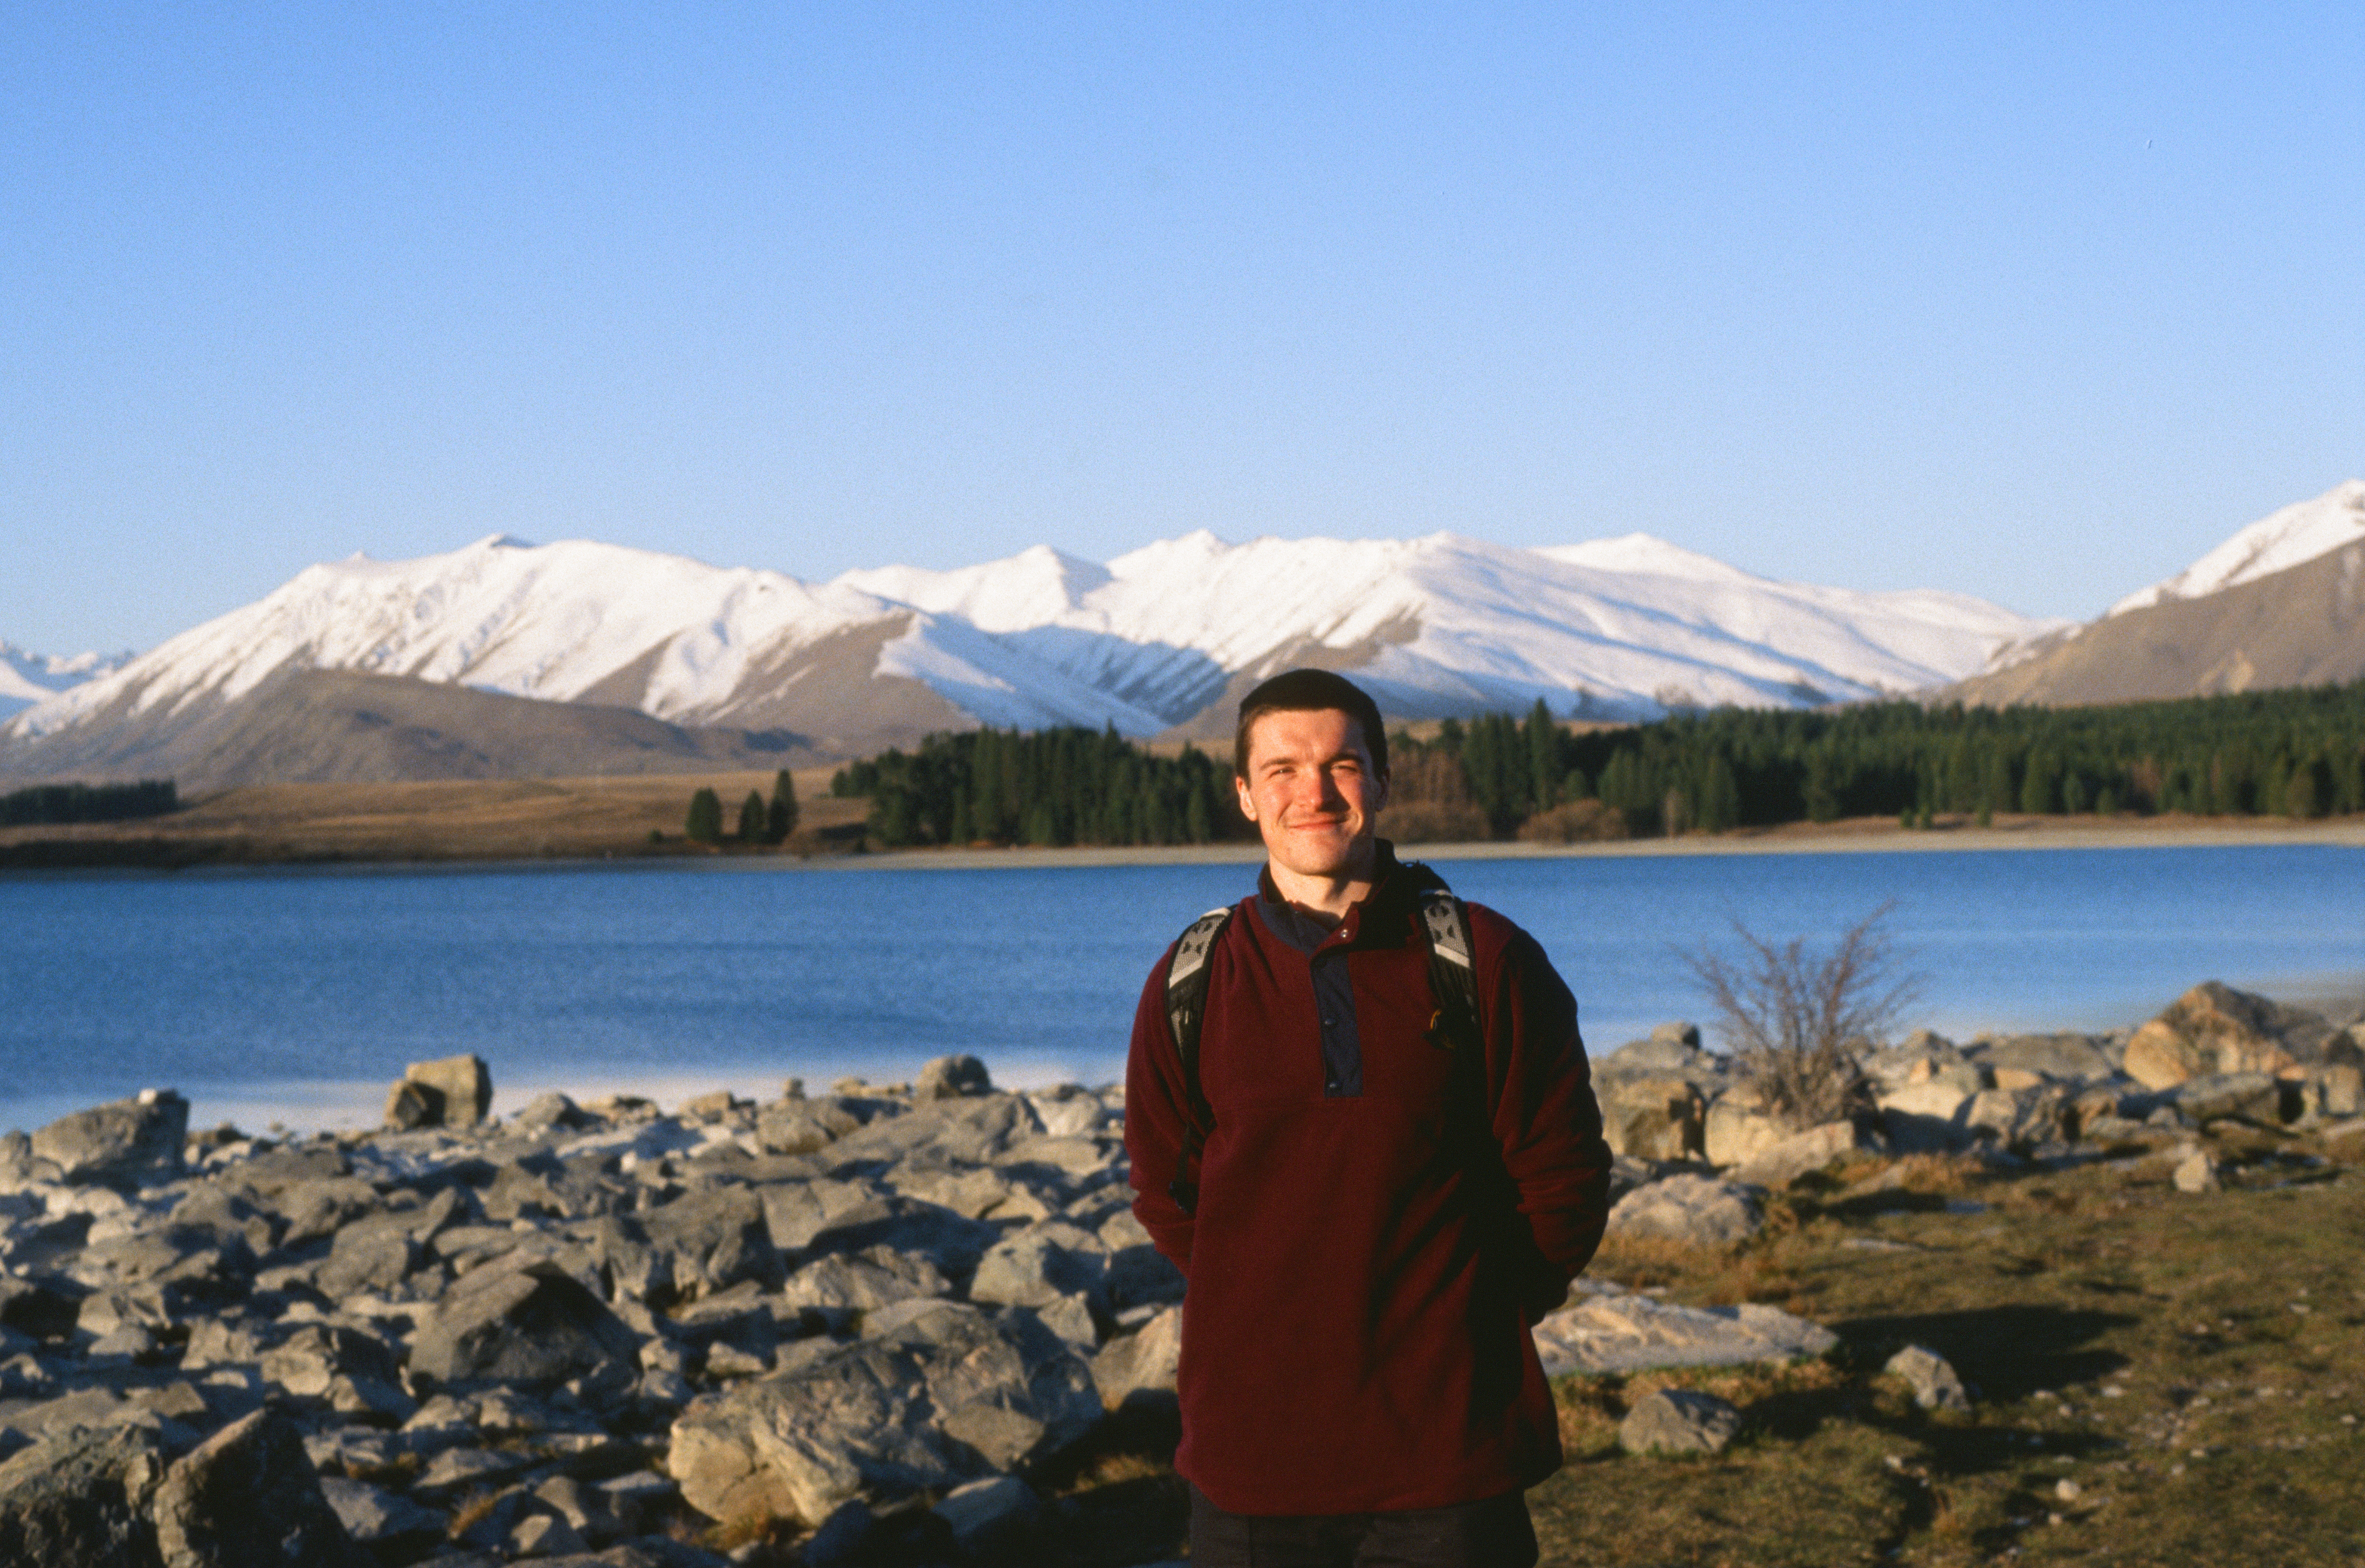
(142, 852)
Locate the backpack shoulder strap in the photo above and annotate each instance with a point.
(1186, 1016)
(1453, 967)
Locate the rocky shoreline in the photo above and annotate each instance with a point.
(875, 1323)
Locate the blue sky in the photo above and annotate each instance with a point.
(2034, 302)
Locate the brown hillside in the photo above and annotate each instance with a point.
(2304, 626)
(330, 726)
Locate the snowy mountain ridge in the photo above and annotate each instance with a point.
(1434, 626)
(26, 677)
(2282, 539)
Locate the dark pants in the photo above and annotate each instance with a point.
(1494, 1533)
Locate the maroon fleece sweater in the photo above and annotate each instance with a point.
(1371, 1241)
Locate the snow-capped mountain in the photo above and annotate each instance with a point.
(28, 677)
(2281, 539)
(1624, 627)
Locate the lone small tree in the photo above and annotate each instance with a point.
(781, 817)
(751, 819)
(1790, 1016)
(704, 824)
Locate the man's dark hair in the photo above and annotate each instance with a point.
(1310, 691)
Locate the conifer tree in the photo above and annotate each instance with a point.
(780, 816)
(751, 819)
(704, 824)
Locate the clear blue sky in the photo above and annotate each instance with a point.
(2034, 301)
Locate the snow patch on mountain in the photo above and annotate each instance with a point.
(2282, 539)
(28, 678)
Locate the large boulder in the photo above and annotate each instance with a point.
(247, 1497)
(1796, 1156)
(530, 1323)
(1738, 1126)
(2021, 1060)
(126, 1143)
(2212, 1029)
(81, 1500)
(1695, 1210)
(1650, 1115)
(453, 1091)
(1929, 1115)
(1041, 1264)
(2258, 1098)
(939, 1395)
(714, 1240)
(949, 1078)
(1137, 1371)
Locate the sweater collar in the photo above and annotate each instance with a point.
(1308, 934)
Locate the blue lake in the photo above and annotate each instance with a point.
(299, 996)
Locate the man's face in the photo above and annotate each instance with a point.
(1312, 791)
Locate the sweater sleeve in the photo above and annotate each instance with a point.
(1545, 1118)
(1156, 1116)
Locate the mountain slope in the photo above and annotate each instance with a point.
(28, 678)
(2279, 541)
(2300, 626)
(1163, 637)
(306, 726)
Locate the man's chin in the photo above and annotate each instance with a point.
(1321, 852)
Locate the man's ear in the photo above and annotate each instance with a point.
(1247, 800)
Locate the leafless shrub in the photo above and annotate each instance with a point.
(1793, 1017)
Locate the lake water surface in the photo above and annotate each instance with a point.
(299, 995)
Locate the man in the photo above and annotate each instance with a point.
(1370, 1214)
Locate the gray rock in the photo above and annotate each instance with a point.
(247, 1497)
(553, 1109)
(873, 1278)
(2064, 1059)
(941, 1393)
(984, 1514)
(1794, 1157)
(840, 1536)
(1679, 1420)
(949, 1078)
(974, 1131)
(455, 1092)
(127, 1143)
(532, 1325)
(2259, 1098)
(1610, 1330)
(1650, 1116)
(312, 1358)
(1697, 1210)
(386, 1523)
(952, 1242)
(802, 1127)
(81, 1500)
(322, 1207)
(455, 1470)
(1042, 1263)
(1737, 1127)
(1138, 1371)
(1931, 1377)
(2195, 1173)
(796, 1212)
(714, 1240)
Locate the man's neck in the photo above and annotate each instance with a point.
(1328, 898)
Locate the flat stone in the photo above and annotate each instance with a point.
(1794, 1157)
(938, 1394)
(387, 1522)
(1611, 1330)
(1692, 1209)
(1677, 1421)
(534, 1325)
(983, 1513)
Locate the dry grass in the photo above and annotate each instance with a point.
(453, 820)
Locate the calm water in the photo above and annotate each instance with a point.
(301, 995)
